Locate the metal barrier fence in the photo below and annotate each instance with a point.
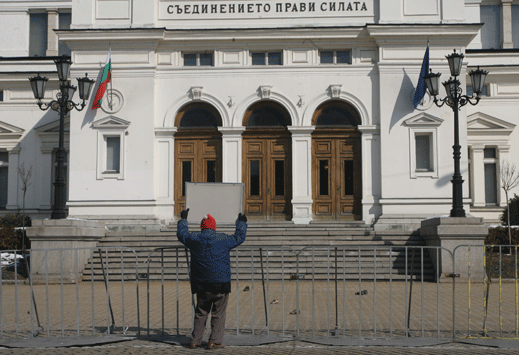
(364, 291)
(319, 291)
(492, 309)
(54, 293)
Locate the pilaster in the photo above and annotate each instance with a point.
(231, 153)
(506, 19)
(13, 179)
(302, 174)
(52, 39)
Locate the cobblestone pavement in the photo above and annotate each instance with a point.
(379, 311)
(295, 347)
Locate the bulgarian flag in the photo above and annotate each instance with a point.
(105, 79)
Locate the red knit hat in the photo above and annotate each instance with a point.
(208, 223)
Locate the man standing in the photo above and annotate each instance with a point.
(210, 274)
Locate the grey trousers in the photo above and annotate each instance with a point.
(206, 302)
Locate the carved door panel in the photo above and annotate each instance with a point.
(197, 159)
(337, 177)
(267, 177)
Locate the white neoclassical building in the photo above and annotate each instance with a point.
(309, 104)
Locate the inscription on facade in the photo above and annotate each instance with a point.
(185, 10)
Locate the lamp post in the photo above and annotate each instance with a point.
(63, 104)
(456, 101)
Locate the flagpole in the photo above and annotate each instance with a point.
(111, 81)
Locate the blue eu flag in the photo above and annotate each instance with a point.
(421, 88)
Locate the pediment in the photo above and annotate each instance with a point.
(479, 121)
(111, 122)
(9, 131)
(423, 120)
(53, 127)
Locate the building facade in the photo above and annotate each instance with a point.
(309, 104)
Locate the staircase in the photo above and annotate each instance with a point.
(273, 244)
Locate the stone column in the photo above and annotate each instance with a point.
(231, 153)
(506, 23)
(453, 235)
(478, 182)
(52, 39)
(302, 174)
(62, 247)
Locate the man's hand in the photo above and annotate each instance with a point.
(183, 214)
(242, 217)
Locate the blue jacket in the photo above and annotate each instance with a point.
(210, 251)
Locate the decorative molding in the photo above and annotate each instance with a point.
(113, 101)
(423, 120)
(335, 91)
(196, 92)
(301, 102)
(231, 102)
(265, 91)
(8, 131)
(111, 122)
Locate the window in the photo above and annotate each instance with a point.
(490, 161)
(4, 170)
(490, 15)
(423, 145)
(110, 147)
(423, 151)
(335, 57)
(65, 19)
(38, 34)
(197, 59)
(1, 95)
(267, 58)
(113, 154)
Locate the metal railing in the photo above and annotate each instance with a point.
(492, 309)
(49, 293)
(318, 291)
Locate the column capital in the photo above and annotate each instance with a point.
(165, 131)
(301, 130)
(232, 131)
(366, 129)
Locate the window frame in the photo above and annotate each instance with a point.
(266, 58)
(110, 127)
(198, 64)
(334, 51)
(424, 124)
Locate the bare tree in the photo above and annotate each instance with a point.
(509, 180)
(25, 177)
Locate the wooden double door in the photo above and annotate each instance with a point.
(198, 158)
(267, 175)
(336, 167)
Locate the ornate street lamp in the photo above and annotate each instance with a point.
(456, 101)
(63, 105)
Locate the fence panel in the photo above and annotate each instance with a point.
(490, 297)
(373, 291)
(54, 293)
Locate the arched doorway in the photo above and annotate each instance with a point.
(267, 168)
(336, 162)
(198, 148)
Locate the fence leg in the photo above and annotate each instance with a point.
(410, 296)
(264, 293)
(29, 273)
(106, 287)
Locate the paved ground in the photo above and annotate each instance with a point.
(72, 310)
